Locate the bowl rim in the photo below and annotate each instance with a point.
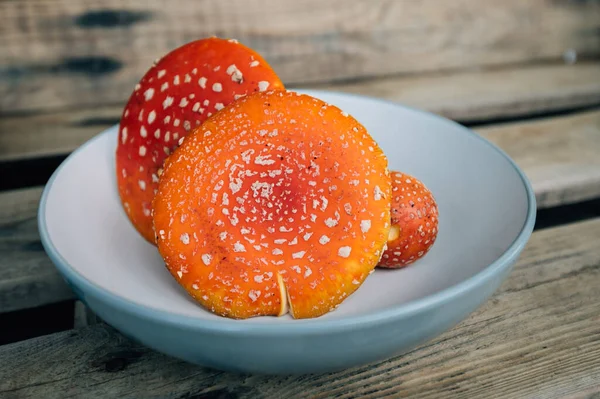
(300, 326)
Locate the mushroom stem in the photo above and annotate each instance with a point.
(284, 296)
(394, 233)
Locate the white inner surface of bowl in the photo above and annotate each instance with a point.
(482, 204)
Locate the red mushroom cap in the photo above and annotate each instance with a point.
(414, 222)
(280, 199)
(177, 94)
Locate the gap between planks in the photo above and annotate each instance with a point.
(536, 337)
(464, 96)
(558, 154)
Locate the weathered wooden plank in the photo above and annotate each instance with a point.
(67, 52)
(463, 96)
(559, 155)
(56, 133)
(490, 94)
(537, 337)
(27, 277)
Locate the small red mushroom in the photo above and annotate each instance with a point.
(414, 222)
(177, 94)
(279, 202)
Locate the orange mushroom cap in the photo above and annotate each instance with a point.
(178, 93)
(414, 222)
(279, 199)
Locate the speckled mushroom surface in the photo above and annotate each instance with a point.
(178, 93)
(414, 222)
(278, 202)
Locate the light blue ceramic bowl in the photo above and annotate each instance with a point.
(487, 212)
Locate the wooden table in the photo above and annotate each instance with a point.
(67, 68)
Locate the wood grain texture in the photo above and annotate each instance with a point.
(536, 338)
(27, 277)
(58, 53)
(463, 96)
(489, 94)
(56, 133)
(559, 155)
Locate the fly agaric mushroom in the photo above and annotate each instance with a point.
(414, 222)
(178, 93)
(278, 201)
